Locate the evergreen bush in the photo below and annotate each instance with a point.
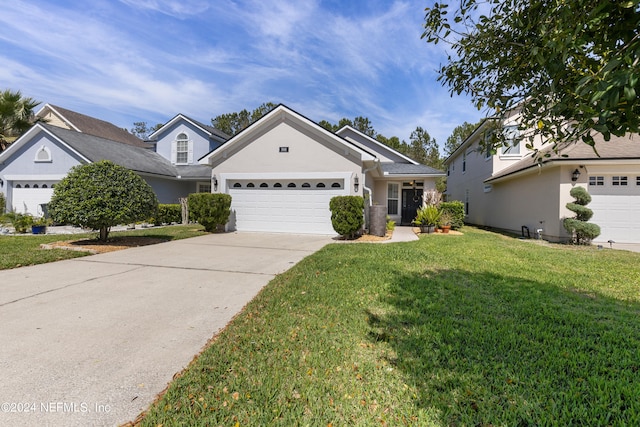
(347, 215)
(581, 230)
(210, 210)
(455, 210)
(168, 213)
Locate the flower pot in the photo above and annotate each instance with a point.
(427, 228)
(38, 229)
(445, 228)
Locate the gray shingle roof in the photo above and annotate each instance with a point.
(408, 169)
(617, 148)
(201, 172)
(214, 131)
(95, 149)
(101, 128)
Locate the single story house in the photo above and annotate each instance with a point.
(283, 170)
(511, 189)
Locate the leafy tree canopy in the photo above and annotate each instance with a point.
(16, 116)
(572, 67)
(100, 195)
(457, 137)
(142, 130)
(233, 123)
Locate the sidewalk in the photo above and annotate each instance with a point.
(402, 234)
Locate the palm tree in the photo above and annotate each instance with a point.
(16, 116)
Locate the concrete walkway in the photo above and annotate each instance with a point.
(402, 234)
(92, 341)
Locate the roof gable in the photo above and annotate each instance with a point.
(366, 142)
(210, 131)
(279, 114)
(90, 125)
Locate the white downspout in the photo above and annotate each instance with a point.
(364, 179)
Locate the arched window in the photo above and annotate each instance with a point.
(250, 185)
(335, 185)
(306, 185)
(44, 186)
(182, 148)
(35, 186)
(291, 185)
(237, 185)
(277, 185)
(320, 185)
(18, 186)
(264, 185)
(27, 186)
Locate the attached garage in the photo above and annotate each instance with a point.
(291, 206)
(615, 201)
(27, 197)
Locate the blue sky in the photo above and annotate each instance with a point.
(147, 60)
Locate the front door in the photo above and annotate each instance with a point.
(411, 202)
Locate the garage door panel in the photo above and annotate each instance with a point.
(283, 210)
(616, 215)
(28, 200)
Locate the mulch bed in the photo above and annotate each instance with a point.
(96, 247)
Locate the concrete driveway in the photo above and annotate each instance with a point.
(92, 341)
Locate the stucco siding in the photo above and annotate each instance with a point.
(305, 154)
(54, 120)
(201, 143)
(22, 161)
(170, 191)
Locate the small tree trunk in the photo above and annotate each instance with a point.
(104, 232)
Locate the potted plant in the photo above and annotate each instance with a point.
(445, 221)
(39, 225)
(427, 217)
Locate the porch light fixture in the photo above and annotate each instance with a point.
(356, 184)
(575, 175)
(1, 183)
(215, 183)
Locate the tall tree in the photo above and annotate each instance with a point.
(457, 137)
(363, 124)
(16, 116)
(572, 67)
(233, 123)
(142, 129)
(424, 149)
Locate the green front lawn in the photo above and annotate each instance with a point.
(472, 330)
(22, 250)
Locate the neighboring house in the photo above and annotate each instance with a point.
(510, 189)
(67, 119)
(33, 164)
(283, 170)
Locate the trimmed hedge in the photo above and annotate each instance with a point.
(168, 213)
(347, 215)
(455, 208)
(210, 210)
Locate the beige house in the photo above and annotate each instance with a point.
(511, 191)
(283, 170)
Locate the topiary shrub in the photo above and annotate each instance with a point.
(210, 210)
(100, 195)
(347, 215)
(168, 213)
(455, 210)
(581, 230)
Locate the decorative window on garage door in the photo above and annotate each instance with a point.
(287, 184)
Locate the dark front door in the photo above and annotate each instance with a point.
(411, 201)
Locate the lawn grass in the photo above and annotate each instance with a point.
(23, 250)
(472, 330)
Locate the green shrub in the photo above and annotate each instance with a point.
(3, 203)
(210, 210)
(428, 215)
(168, 213)
(21, 222)
(455, 210)
(347, 215)
(583, 232)
(391, 224)
(100, 195)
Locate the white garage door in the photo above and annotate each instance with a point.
(28, 200)
(616, 209)
(294, 207)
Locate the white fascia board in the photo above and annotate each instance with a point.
(57, 113)
(175, 119)
(378, 143)
(469, 140)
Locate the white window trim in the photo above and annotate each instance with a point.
(189, 151)
(397, 199)
(45, 150)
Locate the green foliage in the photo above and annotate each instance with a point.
(575, 61)
(581, 230)
(234, 123)
(391, 224)
(3, 203)
(167, 214)
(428, 215)
(458, 136)
(20, 222)
(455, 210)
(16, 115)
(210, 210)
(347, 215)
(100, 195)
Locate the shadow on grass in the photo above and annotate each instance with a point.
(484, 349)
